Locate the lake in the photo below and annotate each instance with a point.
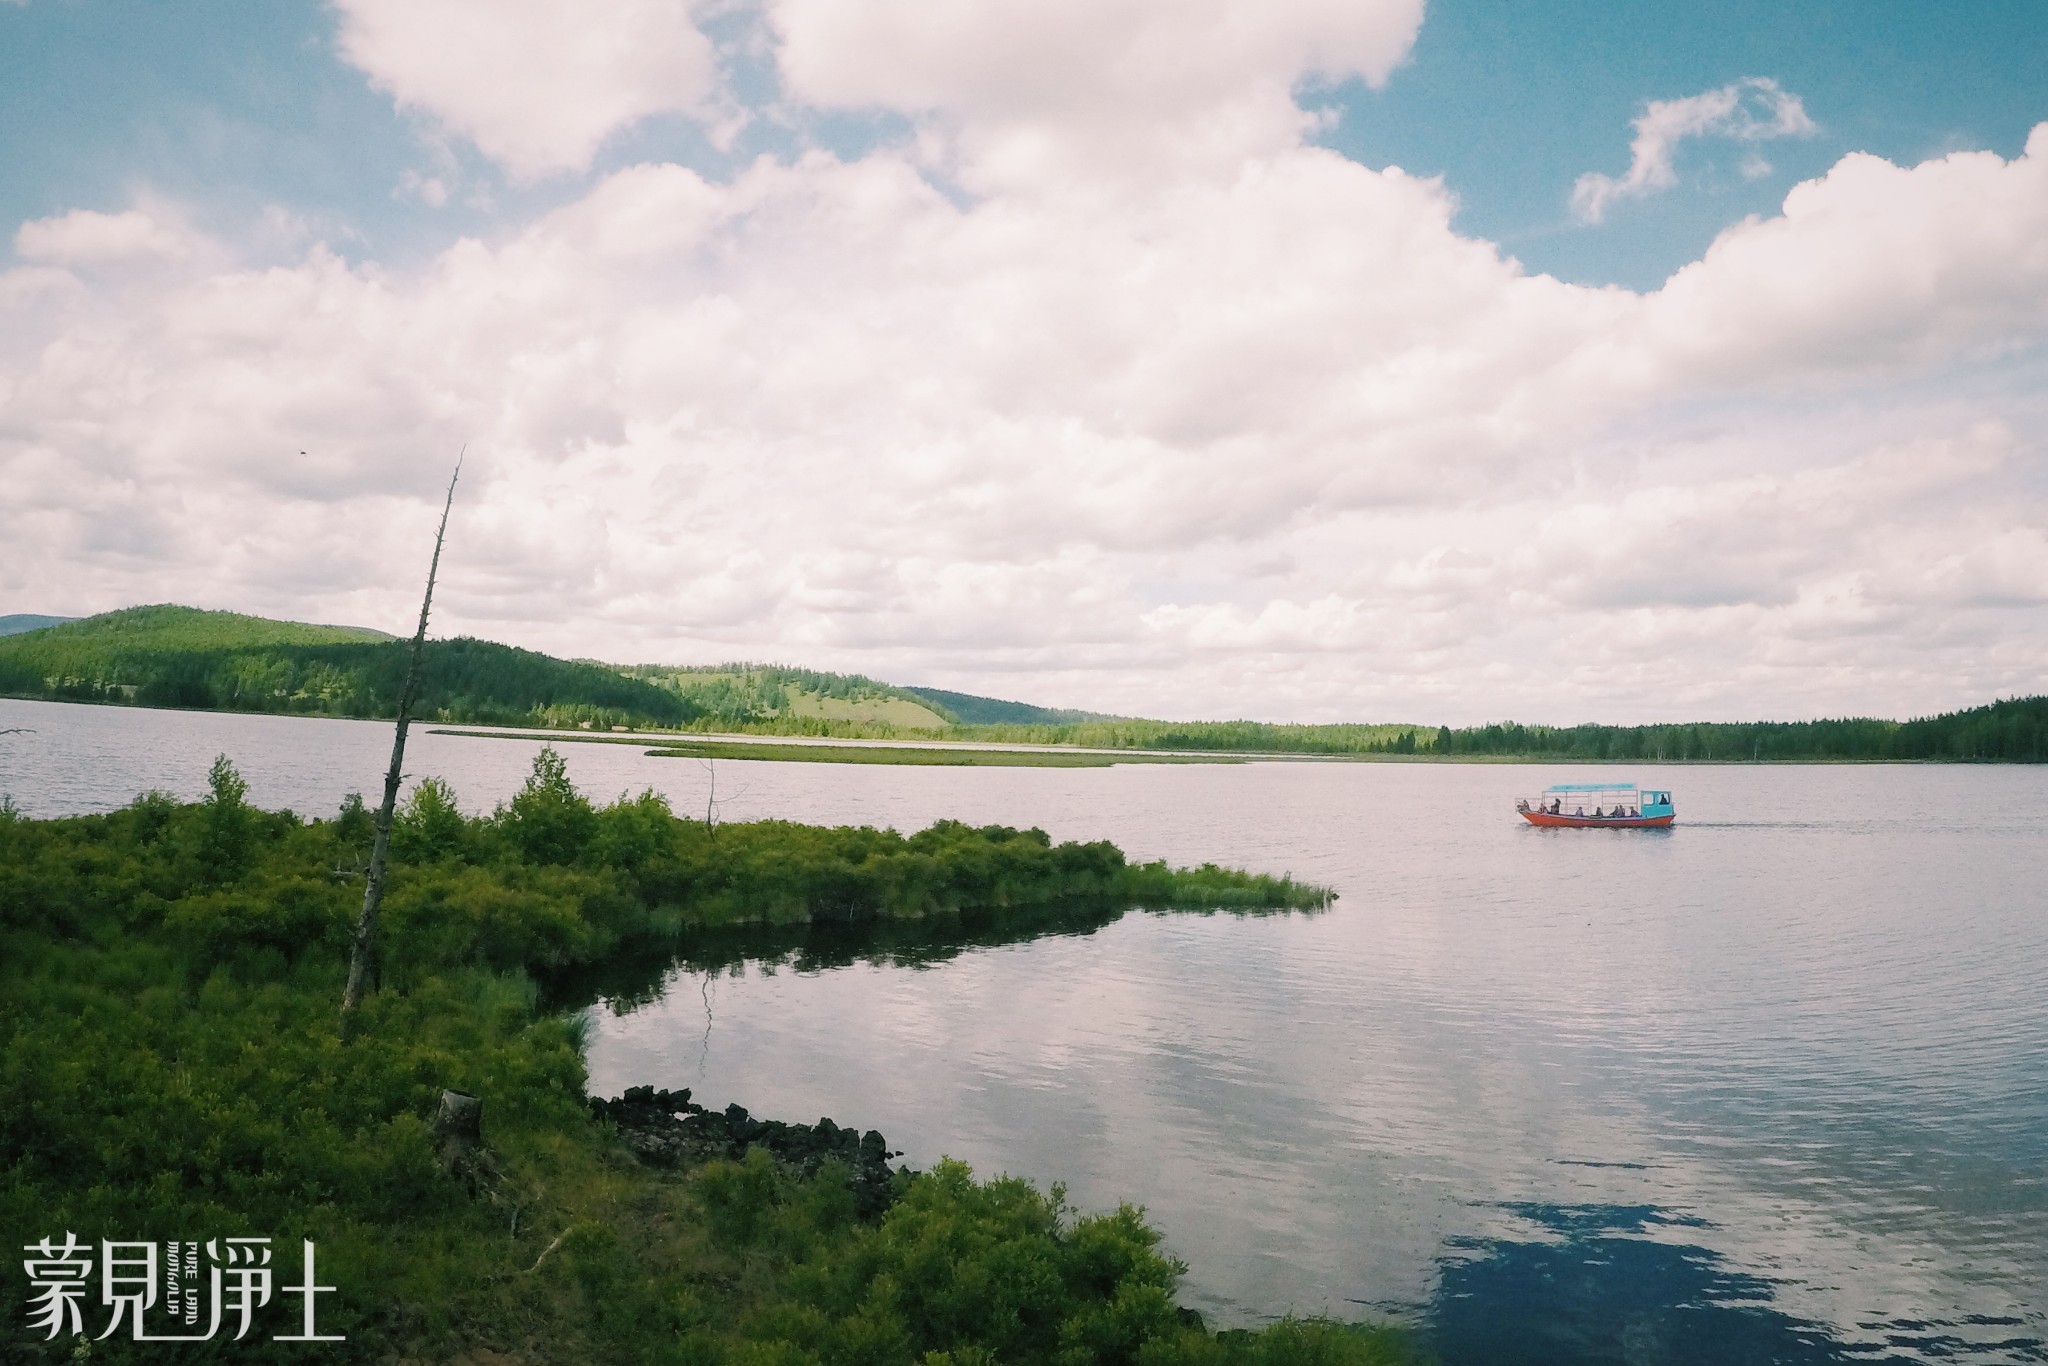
(1770, 1086)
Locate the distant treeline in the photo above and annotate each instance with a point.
(2013, 731)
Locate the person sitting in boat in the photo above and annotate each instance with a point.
(1556, 805)
(1522, 804)
(1578, 811)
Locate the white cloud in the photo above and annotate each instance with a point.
(1218, 434)
(429, 190)
(84, 237)
(1024, 90)
(537, 85)
(1753, 109)
(1868, 266)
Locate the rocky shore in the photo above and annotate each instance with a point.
(668, 1129)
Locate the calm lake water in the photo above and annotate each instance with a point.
(1769, 1087)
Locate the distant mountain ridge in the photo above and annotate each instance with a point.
(16, 623)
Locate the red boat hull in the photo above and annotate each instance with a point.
(1600, 822)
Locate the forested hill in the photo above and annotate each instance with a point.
(170, 656)
(182, 657)
(777, 697)
(970, 710)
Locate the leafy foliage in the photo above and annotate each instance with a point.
(171, 1066)
(230, 823)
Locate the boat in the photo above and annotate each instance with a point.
(1615, 806)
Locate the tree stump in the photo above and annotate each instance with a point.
(458, 1128)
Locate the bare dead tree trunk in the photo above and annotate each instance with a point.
(458, 1127)
(362, 962)
(711, 800)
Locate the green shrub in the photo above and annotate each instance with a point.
(430, 825)
(172, 1065)
(548, 820)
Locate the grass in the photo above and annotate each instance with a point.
(888, 711)
(936, 756)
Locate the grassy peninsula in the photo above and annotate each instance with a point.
(793, 751)
(171, 1066)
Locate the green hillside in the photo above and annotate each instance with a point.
(970, 710)
(76, 646)
(183, 657)
(779, 698)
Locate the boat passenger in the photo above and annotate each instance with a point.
(1578, 811)
(1522, 805)
(1556, 806)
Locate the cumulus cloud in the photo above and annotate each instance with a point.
(1248, 433)
(84, 237)
(1128, 88)
(1750, 110)
(536, 85)
(1869, 265)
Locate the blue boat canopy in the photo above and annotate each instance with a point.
(1621, 785)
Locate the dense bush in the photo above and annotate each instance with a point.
(172, 1066)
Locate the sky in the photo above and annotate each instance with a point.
(1298, 360)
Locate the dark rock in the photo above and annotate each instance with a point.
(668, 1129)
